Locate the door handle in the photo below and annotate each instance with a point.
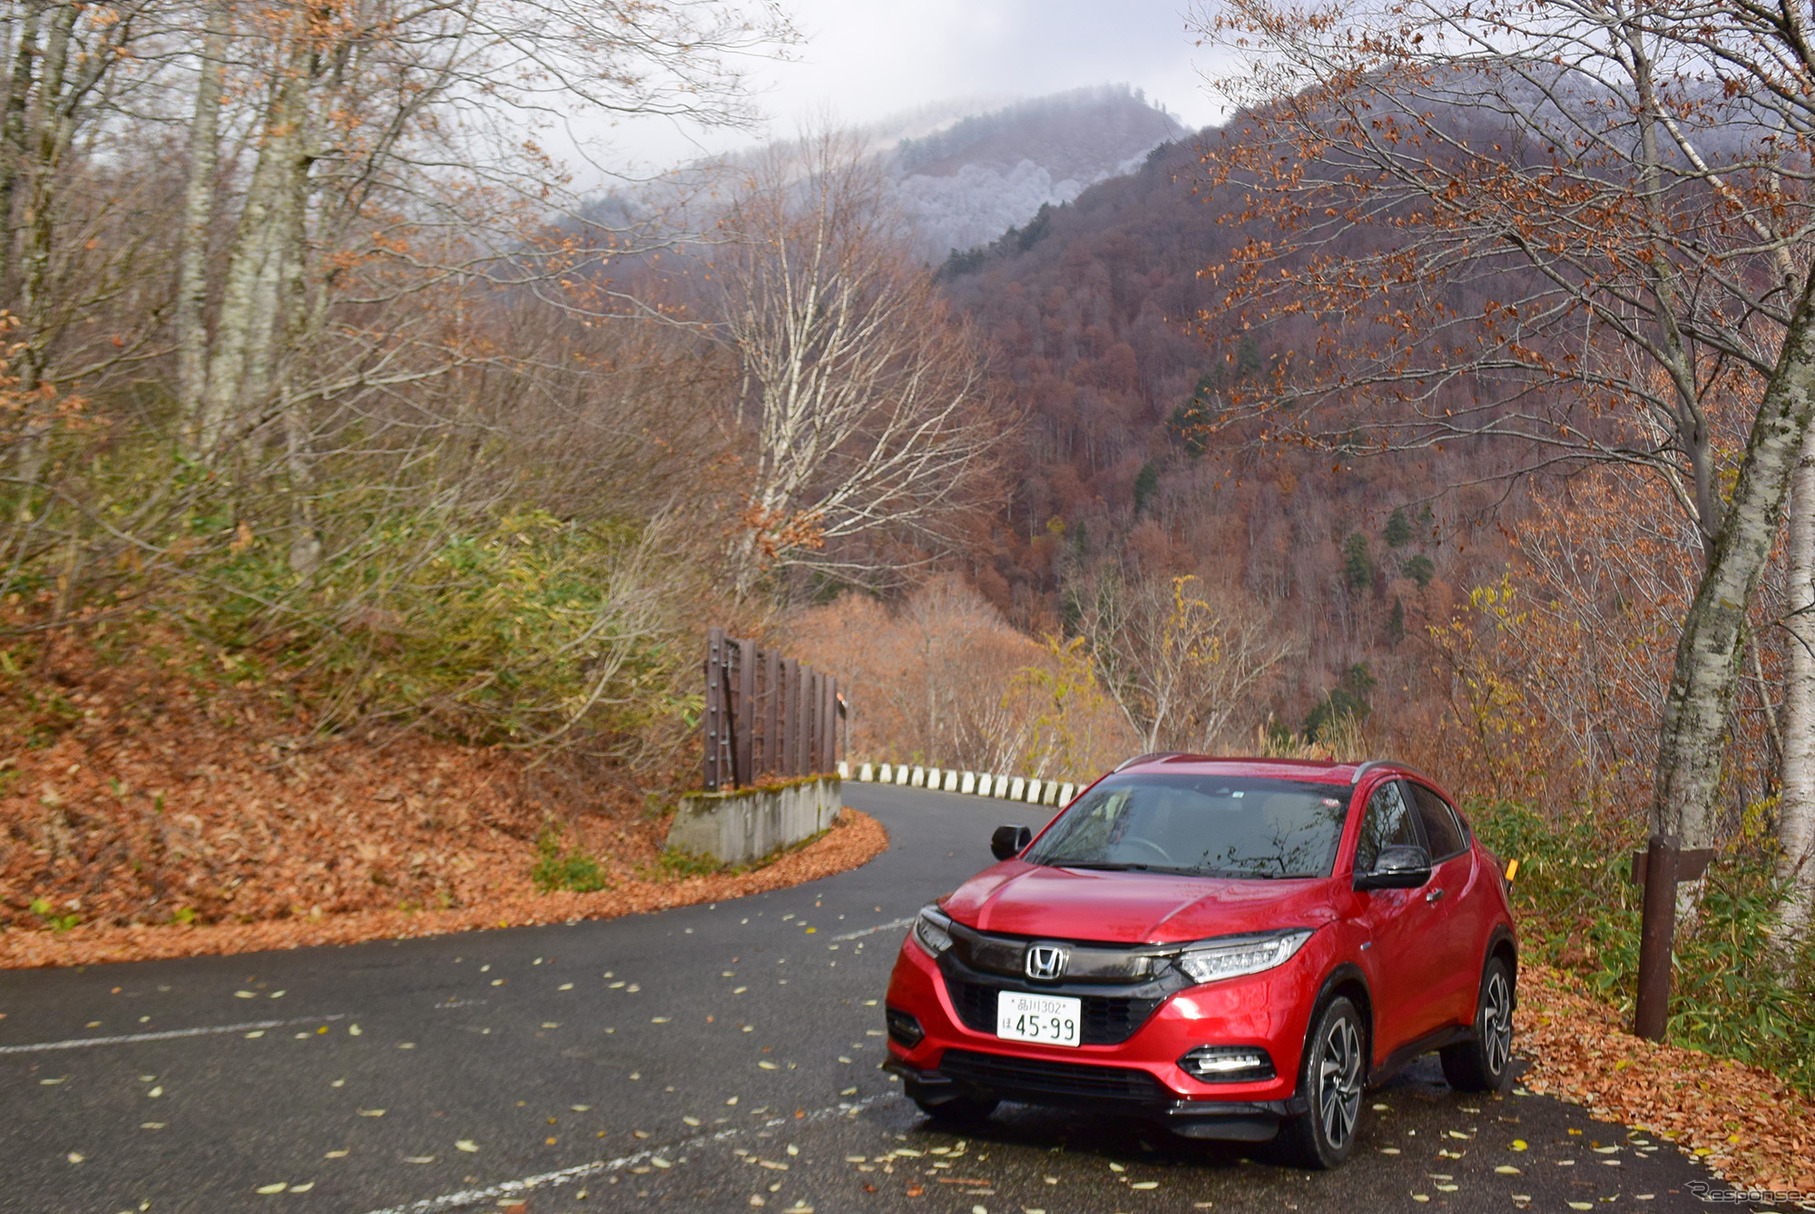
(1434, 896)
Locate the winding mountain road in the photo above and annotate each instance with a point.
(710, 1058)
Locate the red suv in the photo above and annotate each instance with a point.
(1233, 947)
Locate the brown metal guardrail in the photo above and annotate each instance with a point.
(766, 715)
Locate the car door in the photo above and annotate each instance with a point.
(1394, 952)
(1455, 931)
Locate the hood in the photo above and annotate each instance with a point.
(1020, 899)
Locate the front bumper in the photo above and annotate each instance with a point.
(1118, 1090)
(1137, 1074)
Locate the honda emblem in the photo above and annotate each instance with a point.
(1045, 962)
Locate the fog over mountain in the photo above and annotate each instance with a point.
(964, 184)
(965, 169)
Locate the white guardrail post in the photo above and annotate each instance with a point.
(1029, 789)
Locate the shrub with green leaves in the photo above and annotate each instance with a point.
(519, 628)
(571, 869)
(1735, 993)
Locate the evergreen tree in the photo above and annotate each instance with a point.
(1349, 698)
(1189, 425)
(1146, 484)
(1398, 529)
(1357, 565)
(1395, 623)
(1420, 569)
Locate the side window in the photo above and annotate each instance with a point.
(1440, 825)
(1387, 823)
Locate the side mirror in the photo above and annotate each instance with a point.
(1398, 867)
(1009, 841)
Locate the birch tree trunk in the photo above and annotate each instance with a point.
(12, 128)
(198, 210)
(1710, 653)
(239, 364)
(47, 138)
(1796, 809)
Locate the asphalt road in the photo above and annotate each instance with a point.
(712, 1058)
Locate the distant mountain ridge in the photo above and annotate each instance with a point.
(965, 184)
(964, 170)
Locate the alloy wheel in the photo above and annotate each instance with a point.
(1339, 1080)
(1496, 1022)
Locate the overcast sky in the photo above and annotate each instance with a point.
(866, 59)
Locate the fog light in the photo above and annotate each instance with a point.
(1227, 1063)
(904, 1030)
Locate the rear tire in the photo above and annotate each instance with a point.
(1330, 1077)
(1485, 1063)
(965, 1111)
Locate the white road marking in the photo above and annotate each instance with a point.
(509, 1188)
(77, 1043)
(880, 927)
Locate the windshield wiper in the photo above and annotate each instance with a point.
(1124, 868)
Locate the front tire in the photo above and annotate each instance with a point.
(1485, 1063)
(1331, 1077)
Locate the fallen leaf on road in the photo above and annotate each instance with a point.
(268, 1189)
(467, 1145)
(371, 1112)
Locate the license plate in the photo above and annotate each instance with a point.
(1049, 1019)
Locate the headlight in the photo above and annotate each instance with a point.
(1235, 956)
(930, 930)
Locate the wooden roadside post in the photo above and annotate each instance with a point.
(1659, 869)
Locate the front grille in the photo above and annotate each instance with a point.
(1037, 1079)
(1108, 1019)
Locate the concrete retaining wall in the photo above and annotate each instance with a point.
(745, 825)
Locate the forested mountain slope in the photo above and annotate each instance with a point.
(1093, 312)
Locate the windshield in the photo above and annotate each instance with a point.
(1204, 825)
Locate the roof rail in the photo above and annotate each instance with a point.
(1152, 758)
(1362, 769)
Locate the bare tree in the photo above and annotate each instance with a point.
(861, 394)
(1181, 668)
(1599, 231)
